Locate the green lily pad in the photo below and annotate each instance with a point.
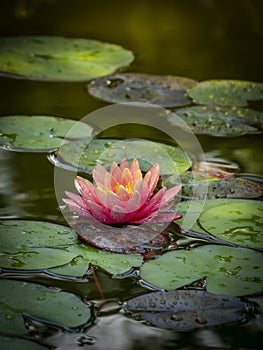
(226, 92)
(166, 91)
(38, 133)
(225, 188)
(187, 309)
(60, 59)
(239, 222)
(35, 245)
(231, 271)
(84, 157)
(49, 304)
(85, 255)
(8, 343)
(219, 121)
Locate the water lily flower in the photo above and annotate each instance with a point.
(123, 196)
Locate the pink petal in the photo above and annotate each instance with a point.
(109, 182)
(118, 215)
(134, 203)
(141, 187)
(153, 205)
(86, 188)
(170, 194)
(81, 211)
(123, 194)
(159, 218)
(113, 200)
(75, 198)
(126, 177)
(100, 213)
(152, 177)
(115, 171)
(135, 170)
(98, 174)
(124, 164)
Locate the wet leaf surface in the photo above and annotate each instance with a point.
(38, 133)
(19, 344)
(232, 271)
(49, 304)
(239, 222)
(166, 91)
(225, 188)
(219, 121)
(126, 239)
(60, 59)
(187, 309)
(35, 245)
(226, 92)
(84, 157)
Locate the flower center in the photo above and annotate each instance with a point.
(127, 188)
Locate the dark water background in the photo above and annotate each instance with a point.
(199, 39)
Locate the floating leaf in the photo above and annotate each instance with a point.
(84, 157)
(236, 221)
(49, 304)
(34, 245)
(219, 121)
(187, 309)
(233, 271)
(226, 92)
(226, 188)
(85, 255)
(60, 59)
(166, 91)
(125, 239)
(38, 133)
(7, 343)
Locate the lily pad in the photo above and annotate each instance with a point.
(225, 188)
(219, 121)
(226, 92)
(35, 245)
(166, 91)
(239, 222)
(84, 157)
(8, 343)
(187, 309)
(38, 133)
(125, 239)
(232, 271)
(60, 59)
(49, 304)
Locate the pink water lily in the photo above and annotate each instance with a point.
(123, 196)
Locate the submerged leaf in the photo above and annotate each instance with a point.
(166, 91)
(219, 121)
(60, 59)
(52, 305)
(84, 157)
(226, 92)
(233, 271)
(11, 343)
(38, 133)
(187, 309)
(226, 188)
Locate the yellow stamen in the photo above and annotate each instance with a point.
(127, 188)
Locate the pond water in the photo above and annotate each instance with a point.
(199, 39)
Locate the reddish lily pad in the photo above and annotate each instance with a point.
(226, 92)
(187, 309)
(125, 239)
(225, 188)
(220, 121)
(166, 91)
